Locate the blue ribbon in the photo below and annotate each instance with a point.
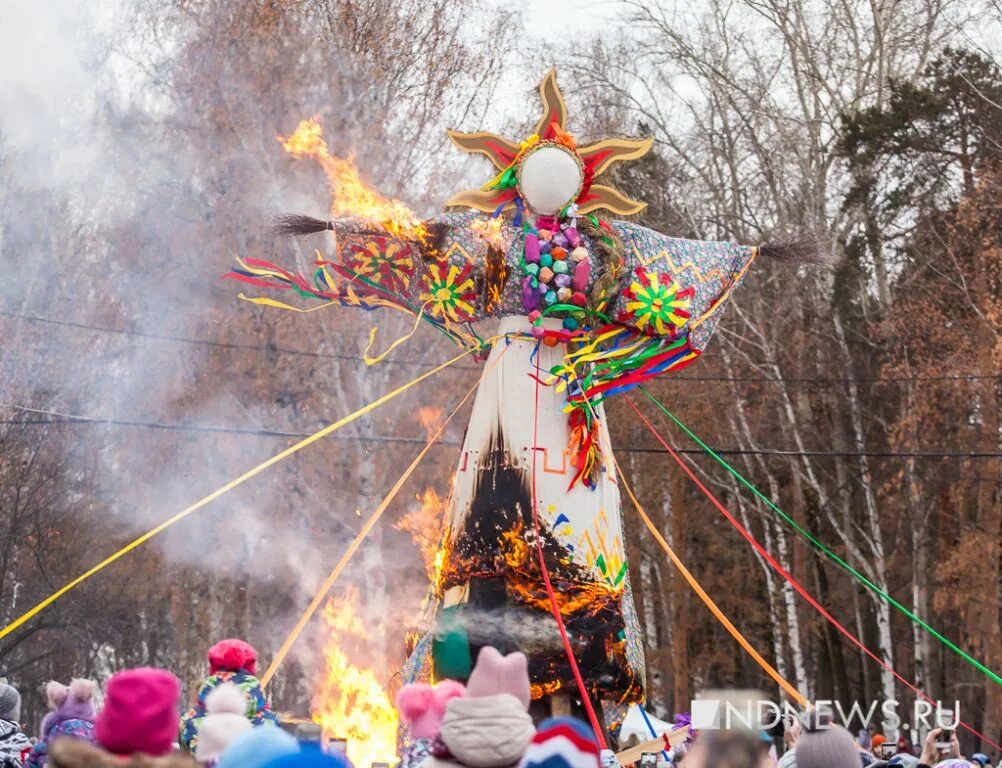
(651, 728)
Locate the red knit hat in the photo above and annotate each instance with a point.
(140, 712)
(232, 656)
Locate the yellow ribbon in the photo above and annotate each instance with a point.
(20, 620)
(321, 593)
(266, 302)
(395, 344)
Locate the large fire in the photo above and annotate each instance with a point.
(350, 196)
(351, 701)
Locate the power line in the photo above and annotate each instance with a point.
(219, 344)
(425, 364)
(836, 380)
(71, 419)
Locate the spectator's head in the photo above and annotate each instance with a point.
(727, 749)
(10, 703)
(73, 701)
(561, 742)
(980, 758)
(140, 713)
(232, 656)
(825, 745)
(308, 757)
(225, 719)
(258, 747)
(876, 743)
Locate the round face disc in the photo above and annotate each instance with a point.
(549, 178)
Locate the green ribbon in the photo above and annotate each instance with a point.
(821, 547)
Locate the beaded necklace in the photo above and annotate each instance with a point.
(556, 268)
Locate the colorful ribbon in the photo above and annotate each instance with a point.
(821, 547)
(792, 692)
(366, 529)
(785, 574)
(135, 543)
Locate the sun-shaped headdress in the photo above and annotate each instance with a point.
(548, 172)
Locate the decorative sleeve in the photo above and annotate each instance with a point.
(676, 288)
(451, 274)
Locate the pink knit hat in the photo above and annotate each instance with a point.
(232, 655)
(140, 712)
(422, 706)
(495, 674)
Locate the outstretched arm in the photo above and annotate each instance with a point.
(439, 269)
(674, 288)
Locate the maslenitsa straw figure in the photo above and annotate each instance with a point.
(588, 307)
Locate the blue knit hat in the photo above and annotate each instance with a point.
(562, 742)
(308, 757)
(258, 747)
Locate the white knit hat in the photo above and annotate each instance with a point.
(225, 719)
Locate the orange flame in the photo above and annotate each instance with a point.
(430, 418)
(350, 702)
(539, 690)
(350, 196)
(491, 231)
(424, 524)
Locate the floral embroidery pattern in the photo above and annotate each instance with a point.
(657, 304)
(388, 264)
(449, 292)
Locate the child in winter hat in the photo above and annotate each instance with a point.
(308, 757)
(73, 715)
(562, 742)
(12, 741)
(224, 721)
(140, 712)
(230, 661)
(10, 703)
(422, 708)
(490, 726)
(825, 745)
(258, 747)
(232, 656)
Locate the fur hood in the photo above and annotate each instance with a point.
(71, 753)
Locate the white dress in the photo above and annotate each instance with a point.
(491, 589)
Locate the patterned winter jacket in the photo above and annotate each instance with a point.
(72, 728)
(12, 744)
(258, 709)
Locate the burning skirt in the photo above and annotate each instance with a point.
(491, 590)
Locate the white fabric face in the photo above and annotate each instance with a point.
(549, 179)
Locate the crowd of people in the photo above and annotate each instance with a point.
(482, 724)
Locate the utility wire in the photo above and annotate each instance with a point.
(425, 364)
(220, 344)
(69, 418)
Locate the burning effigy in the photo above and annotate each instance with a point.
(533, 555)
